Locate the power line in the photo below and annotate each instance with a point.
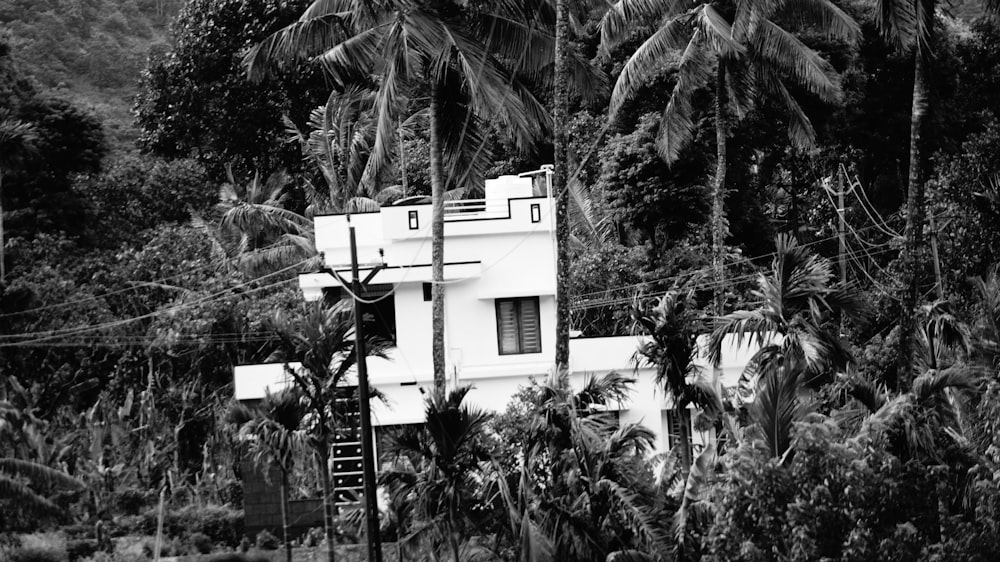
(105, 295)
(52, 334)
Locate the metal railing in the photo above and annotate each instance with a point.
(467, 209)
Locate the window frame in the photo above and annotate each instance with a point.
(519, 320)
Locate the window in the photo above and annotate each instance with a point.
(414, 220)
(674, 427)
(517, 326)
(536, 212)
(428, 295)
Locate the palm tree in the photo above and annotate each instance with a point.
(322, 340)
(582, 474)
(16, 139)
(910, 24)
(794, 322)
(472, 60)
(437, 472)
(754, 58)
(337, 144)
(672, 327)
(274, 431)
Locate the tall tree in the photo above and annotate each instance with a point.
(275, 433)
(472, 60)
(16, 138)
(560, 117)
(672, 327)
(581, 475)
(910, 24)
(742, 51)
(438, 472)
(194, 101)
(795, 321)
(322, 340)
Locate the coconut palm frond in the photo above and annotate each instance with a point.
(639, 516)
(620, 19)
(775, 409)
(603, 390)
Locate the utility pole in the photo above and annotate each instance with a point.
(364, 410)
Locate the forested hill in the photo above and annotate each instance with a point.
(90, 51)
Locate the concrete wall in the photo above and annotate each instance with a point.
(262, 505)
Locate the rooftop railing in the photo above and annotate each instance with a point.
(467, 209)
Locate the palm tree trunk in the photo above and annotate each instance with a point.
(3, 265)
(561, 193)
(719, 225)
(285, 527)
(684, 436)
(437, 242)
(455, 546)
(322, 459)
(914, 233)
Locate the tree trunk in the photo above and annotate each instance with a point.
(560, 190)
(3, 263)
(437, 243)
(684, 436)
(456, 547)
(719, 224)
(914, 232)
(322, 459)
(285, 527)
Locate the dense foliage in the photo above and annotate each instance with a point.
(134, 280)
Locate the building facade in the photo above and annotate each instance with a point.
(500, 293)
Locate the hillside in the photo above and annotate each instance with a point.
(90, 52)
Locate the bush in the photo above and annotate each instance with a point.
(79, 531)
(77, 549)
(169, 547)
(237, 557)
(314, 537)
(131, 501)
(267, 541)
(37, 554)
(223, 525)
(201, 542)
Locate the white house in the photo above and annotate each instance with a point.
(499, 297)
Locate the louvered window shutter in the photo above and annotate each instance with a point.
(518, 329)
(531, 341)
(507, 326)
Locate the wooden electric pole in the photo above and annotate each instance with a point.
(364, 410)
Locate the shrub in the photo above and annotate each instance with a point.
(314, 537)
(79, 531)
(237, 557)
(223, 525)
(37, 554)
(267, 541)
(77, 549)
(169, 547)
(131, 501)
(201, 542)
